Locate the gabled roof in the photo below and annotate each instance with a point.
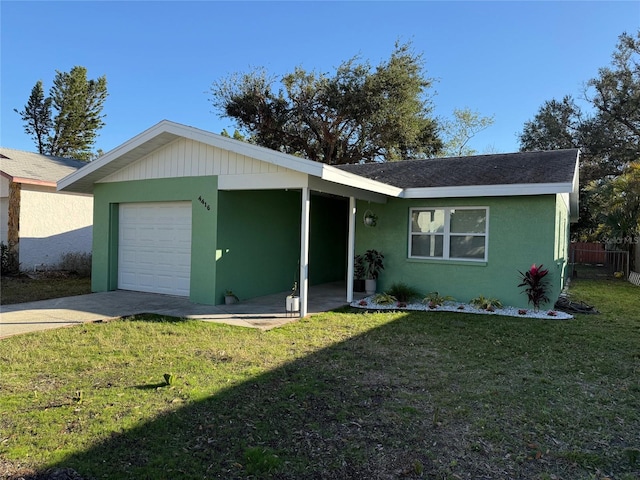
(34, 168)
(524, 173)
(166, 132)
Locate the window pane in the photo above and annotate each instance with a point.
(467, 246)
(468, 221)
(427, 221)
(426, 246)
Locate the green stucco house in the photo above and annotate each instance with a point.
(182, 211)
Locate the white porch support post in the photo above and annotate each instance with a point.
(351, 248)
(304, 252)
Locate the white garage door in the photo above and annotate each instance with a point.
(154, 249)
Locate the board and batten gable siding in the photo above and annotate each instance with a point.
(522, 231)
(189, 158)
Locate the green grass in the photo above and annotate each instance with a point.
(339, 395)
(21, 289)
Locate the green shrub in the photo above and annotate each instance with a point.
(403, 292)
(76, 262)
(384, 299)
(483, 303)
(9, 265)
(434, 299)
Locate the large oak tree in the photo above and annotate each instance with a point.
(358, 114)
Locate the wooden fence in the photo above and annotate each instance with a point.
(582, 253)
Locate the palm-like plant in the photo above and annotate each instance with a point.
(536, 285)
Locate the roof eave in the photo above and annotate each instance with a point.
(507, 190)
(342, 177)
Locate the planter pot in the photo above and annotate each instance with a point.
(358, 285)
(370, 286)
(292, 303)
(230, 300)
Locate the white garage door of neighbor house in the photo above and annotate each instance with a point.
(154, 247)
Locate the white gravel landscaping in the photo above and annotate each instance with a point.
(368, 304)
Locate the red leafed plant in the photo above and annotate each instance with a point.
(535, 284)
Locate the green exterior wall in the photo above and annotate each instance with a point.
(108, 196)
(328, 233)
(258, 242)
(522, 231)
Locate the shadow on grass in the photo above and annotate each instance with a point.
(371, 407)
(336, 413)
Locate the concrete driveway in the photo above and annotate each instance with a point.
(263, 312)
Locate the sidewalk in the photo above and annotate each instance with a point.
(263, 312)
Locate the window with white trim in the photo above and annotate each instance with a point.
(445, 233)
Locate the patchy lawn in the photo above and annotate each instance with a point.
(337, 396)
(24, 288)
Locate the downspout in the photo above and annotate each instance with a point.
(351, 248)
(304, 253)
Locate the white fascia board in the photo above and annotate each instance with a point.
(335, 175)
(263, 181)
(100, 163)
(574, 196)
(333, 188)
(489, 190)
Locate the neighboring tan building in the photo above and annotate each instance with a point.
(38, 223)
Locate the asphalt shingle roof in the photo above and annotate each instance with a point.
(34, 166)
(557, 166)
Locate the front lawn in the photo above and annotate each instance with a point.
(345, 395)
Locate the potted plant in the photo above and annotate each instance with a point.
(230, 297)
(373, 262)
(358, 274)
(292, 303)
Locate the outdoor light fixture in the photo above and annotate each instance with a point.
(370, 219)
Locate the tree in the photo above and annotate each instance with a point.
(37, 116)
(77, 103)
(465, 125)
(609, 137)
(357, 115)
(555, 126)
(617, 91)
(616, 202)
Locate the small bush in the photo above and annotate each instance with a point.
(536, 285)
(434, 299)
(403, 292)
(489, 304)
(76, 262)
(384, 299)
(9, 265)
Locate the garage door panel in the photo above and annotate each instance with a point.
(155, 247)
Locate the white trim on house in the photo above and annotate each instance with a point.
(351, 248)
(447, 234)
(166, 132)
(507, 190)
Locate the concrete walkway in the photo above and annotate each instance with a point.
(263, 312)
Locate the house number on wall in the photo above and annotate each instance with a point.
(203, 202)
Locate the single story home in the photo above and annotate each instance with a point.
(182, 211)
(37, 222)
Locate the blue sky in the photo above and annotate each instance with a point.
(160, 58)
